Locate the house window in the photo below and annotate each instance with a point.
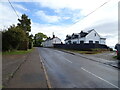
(81, 42)
(95, 34)
(74, 42)
(69, 42)
(97, 42)
(90, 41)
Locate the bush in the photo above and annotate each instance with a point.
(12, 38)
(110, 49)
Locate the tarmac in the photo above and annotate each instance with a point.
(115, 64)
(30, 73)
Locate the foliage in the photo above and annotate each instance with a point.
(17, 37)
(39, 38)
(30, 41)
(24, 23)
(12, 38)
(115, 57)
(111, 49)
(17, 52)
(30, 38)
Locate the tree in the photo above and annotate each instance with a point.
(12, 38)
(24, 24)
(30, 41)
(39, 38)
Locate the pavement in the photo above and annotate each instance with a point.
(30, 74)
(10, 64)
(67, 70)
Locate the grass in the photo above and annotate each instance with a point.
(115, 57)
(17, 52)
(86, 52)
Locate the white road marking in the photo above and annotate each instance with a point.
(100, 78)
(68, 60)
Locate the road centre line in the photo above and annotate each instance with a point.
(100, 78)
(68, 60)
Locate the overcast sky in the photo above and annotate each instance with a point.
(60, 17)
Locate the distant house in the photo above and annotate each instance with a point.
(85, 37)
(49, 42)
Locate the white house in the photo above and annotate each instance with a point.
(85, 37)
(49, 42)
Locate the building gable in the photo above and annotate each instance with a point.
(87, 37)
(93, 36)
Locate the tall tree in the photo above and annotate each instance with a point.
(24, 23)
(39, 38)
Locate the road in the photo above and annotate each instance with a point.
(69, 71)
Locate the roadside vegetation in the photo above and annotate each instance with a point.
(18, 52)
(115, 57)
(92, 51)
(38, 39)
(17, 37)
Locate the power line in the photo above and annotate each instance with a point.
(13, 8)
(92, 11)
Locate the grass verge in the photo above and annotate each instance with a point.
(85, 52)
(17, 52)
(115, 57)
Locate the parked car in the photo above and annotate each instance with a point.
(117, 47)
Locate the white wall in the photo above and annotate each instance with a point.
(75, 40)
(103, 41)
(82, 39)
(49, 43)
(56, 41)
(91, 36)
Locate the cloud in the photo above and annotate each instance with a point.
(47, 18)
(7, 15)
(86, 6)
(60, 31)
(18, 6)
(104, 20)
(66, 18)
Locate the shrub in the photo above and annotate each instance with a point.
(110, 49)
(12, 38)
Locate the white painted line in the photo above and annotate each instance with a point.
(68, 60)
(100, 78)
(44, 69)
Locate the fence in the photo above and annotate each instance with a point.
(85, 46)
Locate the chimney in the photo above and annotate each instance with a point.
(53, 35)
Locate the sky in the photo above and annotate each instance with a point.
(64, 17)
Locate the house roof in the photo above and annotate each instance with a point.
(74, 35)
(81, 34)
(49, 38)
(102, 38)
(90, 30)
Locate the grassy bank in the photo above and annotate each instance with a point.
(115, 57)
(17, 52)
(94, 51)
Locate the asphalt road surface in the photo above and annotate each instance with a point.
(69, 71)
